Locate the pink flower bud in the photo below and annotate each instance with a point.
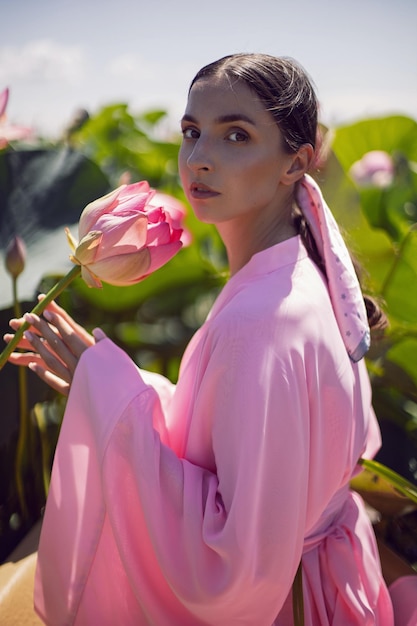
(374, 169)
(15, 257)
(124, 237)
(4, 97)
(10, 132)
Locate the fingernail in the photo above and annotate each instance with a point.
(28, 317)
(47, 315)
(28, 335)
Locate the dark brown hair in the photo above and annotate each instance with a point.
(281, 84)
(288, 93)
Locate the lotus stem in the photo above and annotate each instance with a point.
(38, 310)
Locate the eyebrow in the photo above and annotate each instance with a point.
(223, 119)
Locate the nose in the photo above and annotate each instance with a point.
(200, 157)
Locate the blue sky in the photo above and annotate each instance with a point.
(58, 55)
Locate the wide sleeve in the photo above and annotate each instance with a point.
(227, 541)
(403, 594)
(190, 544)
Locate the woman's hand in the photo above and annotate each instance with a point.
(52, 346)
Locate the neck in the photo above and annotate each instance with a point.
(244, 238)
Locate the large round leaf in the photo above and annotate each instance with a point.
(41, 192)
(390, 134)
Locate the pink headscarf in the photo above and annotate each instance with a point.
(345, 292)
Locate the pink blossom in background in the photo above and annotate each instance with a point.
(10, 132)
(374, 169)
(124, 237)
(4, 97)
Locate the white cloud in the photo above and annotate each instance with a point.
(130, 66)
(148, 82)
(41, 60)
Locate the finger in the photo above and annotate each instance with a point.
(55, 309)
(24, 358)
(60, 361)
(23, 343)
(16, 324)
(50, 378)
(50, 333)
(69, 332)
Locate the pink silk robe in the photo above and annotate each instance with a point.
(192, 505)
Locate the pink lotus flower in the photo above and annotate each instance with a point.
(124, 237)
(9, 132)
(374, 169)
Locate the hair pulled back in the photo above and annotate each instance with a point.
(287, 92)
(281, 84)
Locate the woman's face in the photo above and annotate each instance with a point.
(232, 159)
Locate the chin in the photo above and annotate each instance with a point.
(204, 217)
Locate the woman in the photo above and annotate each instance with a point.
(194, 504)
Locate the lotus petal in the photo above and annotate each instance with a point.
(86, 250)
(72, 242)
(89, 278)
(158, 234)
(121, 240)
(94, 209)
(123, 270)
(162, 254)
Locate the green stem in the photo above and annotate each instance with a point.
(39, 413)
(38, 310)
(397, 481)
(22, 440)
(397, 259)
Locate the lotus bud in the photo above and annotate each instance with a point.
(124, 236)
(4, 97)
(10, 132)
(15, 257)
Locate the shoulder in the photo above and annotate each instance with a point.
(293, 299)
(282, 322)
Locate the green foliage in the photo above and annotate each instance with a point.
(120, 142)
(383, 236)
(43, 190)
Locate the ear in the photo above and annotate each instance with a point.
(299, 163)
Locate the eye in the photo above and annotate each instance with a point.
(238, 136)
(190, 133)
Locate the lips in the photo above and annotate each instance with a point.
(200, 191)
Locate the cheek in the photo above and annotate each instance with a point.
(261, 173)
(259, 183)
(182, 163)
